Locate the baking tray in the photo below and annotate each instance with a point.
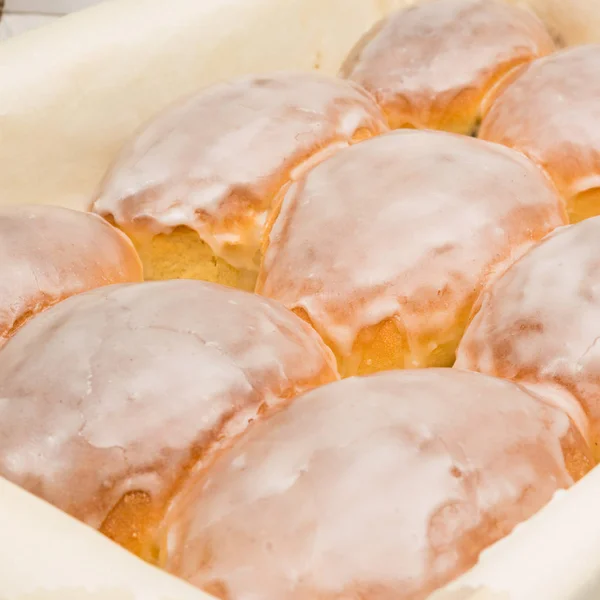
(71, 93)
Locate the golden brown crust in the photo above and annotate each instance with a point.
(215, 163)
(48, 254)
(108, 398)
(383, 487)
(436, 64)
(551, 113)
(539, 323)
(385, 247)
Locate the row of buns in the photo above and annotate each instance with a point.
(204, 427)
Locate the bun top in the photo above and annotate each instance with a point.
(435, 65)
(551, 113)
(384, 486)
(48, 254)
(119, 389)
(410, 224)
(215, 162)
(540, 322)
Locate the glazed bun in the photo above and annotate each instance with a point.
(109, 398)
(196, 187)
(48, 254)
(438, 64)
(551, 113)
(539, 324)
(385, 247)
(385, 486)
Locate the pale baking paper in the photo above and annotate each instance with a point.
(47, 555)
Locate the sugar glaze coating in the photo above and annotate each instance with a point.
(551, 113)
(433, 65)
(539, 323)
(215, 162)
(382, 487)
(405, 227)
(49, 253)
(121, 389)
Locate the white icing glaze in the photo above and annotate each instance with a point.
(557, 396)
(215, 162)
(409, 225)
(121, 388)
(551, 113)
(49, 253)
(540, 322)
(379, 487)
(444, 55)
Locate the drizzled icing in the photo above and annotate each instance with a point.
(215, 162)
(379, 487)
(49, 253)
(540, 322)
(121, 388)
(408, 226)
(429, 61)
(551, 113)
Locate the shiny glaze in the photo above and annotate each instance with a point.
(381, 488)
(123, 388)
(408, 226)
(216, 162)
(49, 253)
(539, 323)
(551, 113)
(434, 64)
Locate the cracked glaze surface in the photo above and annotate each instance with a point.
(540, 322)
(49, 253)
(382, 487)
(119, 389)
(215, 162)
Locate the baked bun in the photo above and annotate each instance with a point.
(48, 254)
(384, 247)
(437, 65)
(551, 113)
(195, 189)
(110, 397)
(386, 486)
(539, 324)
